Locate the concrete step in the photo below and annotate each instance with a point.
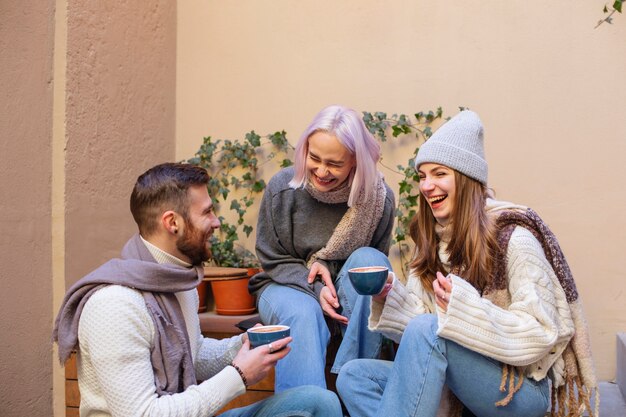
(621, 363)
(613, 393)
(612, 402)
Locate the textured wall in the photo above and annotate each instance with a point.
(116, 119)
(548, 86)
(120, 118)
(26, 43)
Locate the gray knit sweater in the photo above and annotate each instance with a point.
(293, 226)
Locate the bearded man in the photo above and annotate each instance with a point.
(133, 321)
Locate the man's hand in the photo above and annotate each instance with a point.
(257, 363)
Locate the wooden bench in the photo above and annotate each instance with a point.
(72, 394)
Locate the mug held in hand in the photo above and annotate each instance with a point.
(263, 335)
(368, 280)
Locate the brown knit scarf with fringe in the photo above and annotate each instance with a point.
(573, 397)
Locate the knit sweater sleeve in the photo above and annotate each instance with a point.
(283, 266)
(115, 373)
(210, 355)
(401, 305)
(537, 325)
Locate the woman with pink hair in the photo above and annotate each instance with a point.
(331, 212)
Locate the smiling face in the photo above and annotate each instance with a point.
(328, 162)
(437, 185)
(199, 225)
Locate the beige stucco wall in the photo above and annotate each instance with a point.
(92, 97)
(26, 40)
(545, 82)
(88, 104)
(121, 63)
(119, 121)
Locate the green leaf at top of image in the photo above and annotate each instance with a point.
(618, 5)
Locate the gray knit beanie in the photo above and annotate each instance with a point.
(458, 144)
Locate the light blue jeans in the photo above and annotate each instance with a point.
(304, 365)
(305, 401)
(412, 384)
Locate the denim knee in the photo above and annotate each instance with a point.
(320, 401)
(346, 375)
(423, 326)
(367, 256)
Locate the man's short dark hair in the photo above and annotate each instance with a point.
(161, 188)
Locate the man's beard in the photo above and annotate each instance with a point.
(193, 244)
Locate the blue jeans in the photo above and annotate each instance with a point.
(412, 384)
(305, 401)
(304, 365)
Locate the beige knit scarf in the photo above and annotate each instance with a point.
(357, 226)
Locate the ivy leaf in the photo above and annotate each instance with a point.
(380, 115)
(234, 205)
(279, 138)
(618, 5)
(253, 139)
(405, 187)
(258, 186)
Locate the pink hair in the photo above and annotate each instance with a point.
(348, 127)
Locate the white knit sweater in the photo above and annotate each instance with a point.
(114, 370)
(532, 332)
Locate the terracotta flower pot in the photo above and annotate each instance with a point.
(202, 296)
(230, 290)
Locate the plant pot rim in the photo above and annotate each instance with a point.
(219, 273)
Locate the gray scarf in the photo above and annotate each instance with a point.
(171, 355)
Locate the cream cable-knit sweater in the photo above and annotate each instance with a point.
(114, 370)
(532, 332)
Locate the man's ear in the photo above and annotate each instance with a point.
(171, 221)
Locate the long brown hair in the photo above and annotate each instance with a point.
(472, 245)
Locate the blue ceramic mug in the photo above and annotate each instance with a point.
(263, 335)
(368, 280)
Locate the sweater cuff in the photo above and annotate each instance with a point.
(463, 293)
(229, 383)
(392, 317)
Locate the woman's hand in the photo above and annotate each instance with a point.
(257, 363)
(330, 304)
(317, 269)
(328, 296)
(382, 296)
(442, 287)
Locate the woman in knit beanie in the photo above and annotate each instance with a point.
(490, 308)
(330, 212)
